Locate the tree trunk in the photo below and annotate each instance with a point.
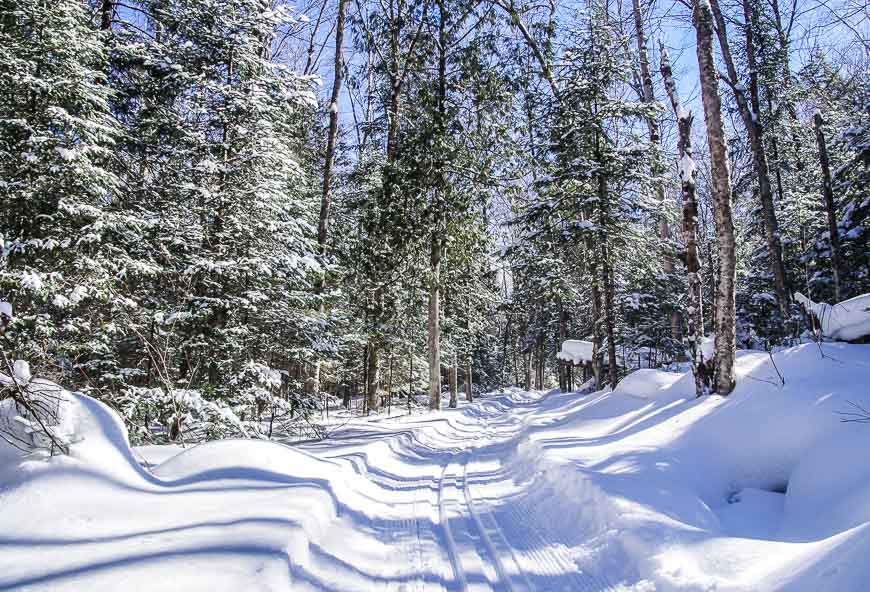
(749, 113)
(690, 221)
(529, 359)
(453, 378)
(346, 392)
(725, 302)
(329, 162)
(107, 13)
(390, 385)
(332, 137)
(469, 394)
(374, 351)
(563, 335)
(410, 378)
(648, 96)
(504, 350)
(434, 327)
(828, 194)
(393, 112)
(365, 368)
(597, 360)
(436, 232)
(609, 315)
(373, 402)
(606, 272)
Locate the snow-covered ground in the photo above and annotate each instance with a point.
(645, 488)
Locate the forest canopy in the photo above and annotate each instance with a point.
(216, 216)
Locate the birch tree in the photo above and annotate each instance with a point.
(725, 312)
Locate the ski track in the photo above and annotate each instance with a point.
(449, 529)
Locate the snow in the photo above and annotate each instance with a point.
(708, 347)
(648, 383)
(21, 432)
(5, 310)
(683, 113)
(845, 321)
(643, 488)
(687, 168)
(21, 371)
(576, 351)
(31, 281)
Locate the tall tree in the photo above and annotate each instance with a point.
(648, 96)
(725, 312)
(687, 171)
(828, 195)
(329, 158)
(750, 110)
(58, 226)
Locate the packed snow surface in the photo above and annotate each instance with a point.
(644, 488)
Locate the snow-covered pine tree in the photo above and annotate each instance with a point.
(58, 192)
(220, 278)
(601, 160)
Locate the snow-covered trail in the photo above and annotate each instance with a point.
(470, 525)
(645, 488)
(441, 501)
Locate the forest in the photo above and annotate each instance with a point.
(222, 217)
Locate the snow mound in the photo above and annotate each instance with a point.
(38, 428)
(93, 434)
(654, 384)
(102, 442)
(762, 431)
(846, 321)
(234, 459)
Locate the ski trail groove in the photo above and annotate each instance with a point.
(452, 550)
(551, 557)
(503, 574)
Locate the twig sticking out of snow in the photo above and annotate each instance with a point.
(778, 373)
(860, 415)
(34, 414)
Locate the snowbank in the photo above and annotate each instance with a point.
(25, 434)
(772, 465)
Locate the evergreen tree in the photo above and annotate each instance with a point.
(59, 201)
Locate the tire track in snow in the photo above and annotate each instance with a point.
(551, 557)
(454, 542)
